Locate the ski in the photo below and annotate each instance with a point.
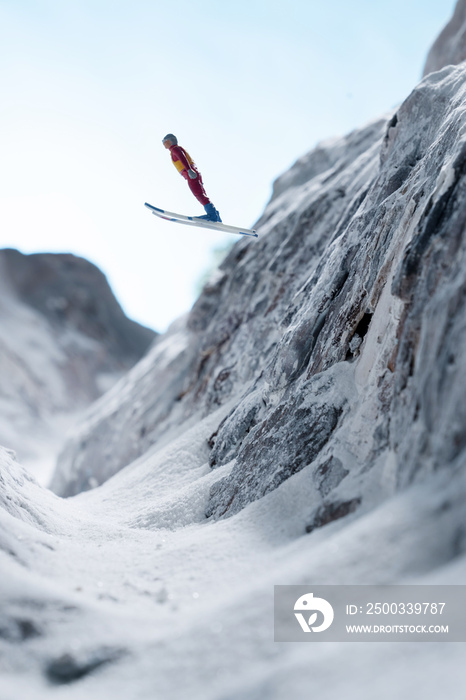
(195, 221)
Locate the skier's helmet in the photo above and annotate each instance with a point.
(172, 138)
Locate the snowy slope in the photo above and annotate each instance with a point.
(146, 600)
(64, 340)
(305, 423)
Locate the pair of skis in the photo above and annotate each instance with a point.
(195, 221)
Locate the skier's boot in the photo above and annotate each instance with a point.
(211, 213)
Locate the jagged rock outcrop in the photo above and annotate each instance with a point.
(383, 279)
(450, 46)
(64, 340)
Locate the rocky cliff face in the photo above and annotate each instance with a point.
(64, 340)
(450, 46)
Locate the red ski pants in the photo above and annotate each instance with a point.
(197, 187)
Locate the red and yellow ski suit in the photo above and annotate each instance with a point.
(183, 162)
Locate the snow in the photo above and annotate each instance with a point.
(176, 606)
(32, 389)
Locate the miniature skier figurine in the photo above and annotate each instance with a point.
(187, 167)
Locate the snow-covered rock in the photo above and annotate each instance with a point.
(392, 276)
(450, 46)
(64, 340)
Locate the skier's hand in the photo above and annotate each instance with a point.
(192, 174)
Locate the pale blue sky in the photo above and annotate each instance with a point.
(89, 87)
